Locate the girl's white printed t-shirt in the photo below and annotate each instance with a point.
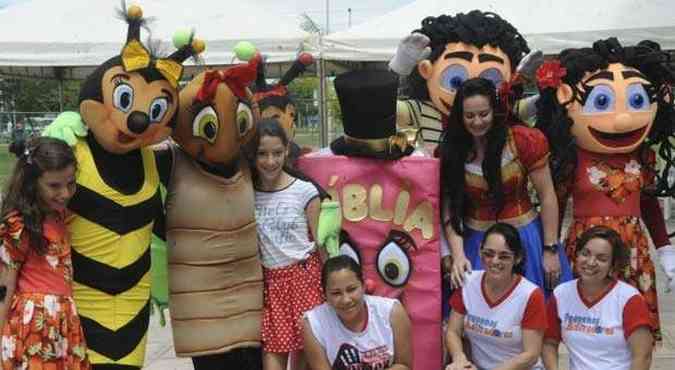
(494, 329)
(373, 348)
(596, 333)
(283, 231)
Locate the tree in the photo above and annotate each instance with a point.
(305, 93)
(35, 95)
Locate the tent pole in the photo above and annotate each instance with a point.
(61, 95)
(323, 114)
(58, 73)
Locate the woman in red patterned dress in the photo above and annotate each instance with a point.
(40, 326)
(486, 165)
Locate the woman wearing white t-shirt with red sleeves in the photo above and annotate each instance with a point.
(353, 330)
(499, 312)
(603, 322)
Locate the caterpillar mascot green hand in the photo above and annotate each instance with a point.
(68, 127)
(330, 224)
(127, 104)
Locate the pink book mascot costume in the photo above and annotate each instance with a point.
(389, 201)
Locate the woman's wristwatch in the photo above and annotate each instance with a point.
(553, 248)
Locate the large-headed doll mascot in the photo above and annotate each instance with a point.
(127, 103)
(215, 276)
(446, 51)
(275, 101)
(603, 109)
(389, 202)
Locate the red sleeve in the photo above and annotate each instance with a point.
(13, 242)
(534, 317)
(457, 302)
(635, 315)
(651, 211)
(649, 175)
(532, 147)
(652, 215)
(554, 330)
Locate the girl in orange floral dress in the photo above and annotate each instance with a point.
(40, 326)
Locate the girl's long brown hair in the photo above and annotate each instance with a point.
(35, 157)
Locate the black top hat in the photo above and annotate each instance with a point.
(368, 104)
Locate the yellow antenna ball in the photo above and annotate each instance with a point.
(135, 12)
(198, 45)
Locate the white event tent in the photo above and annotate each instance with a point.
(549, 25)
(67, 38)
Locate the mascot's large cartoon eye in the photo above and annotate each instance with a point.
(347, 250)
(244, 119)
(494, 75)
(158, 109)
(600, 100)
(205, 124)
(123, 97)
(637, 98)
(393, 264)
(454, 76)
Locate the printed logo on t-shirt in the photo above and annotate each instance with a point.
(585, 324)
(350, 358)
(278, 221)
(485, 326)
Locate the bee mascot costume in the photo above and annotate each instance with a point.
(128, 103)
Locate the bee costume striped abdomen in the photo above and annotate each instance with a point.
(111, 235)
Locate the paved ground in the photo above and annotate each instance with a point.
(160, 354)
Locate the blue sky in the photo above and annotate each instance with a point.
(362, 10)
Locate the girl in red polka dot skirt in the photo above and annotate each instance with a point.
(286, 210)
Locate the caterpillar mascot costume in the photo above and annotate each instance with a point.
(128, 103)
(215, 277)
(604, 109)
(390, 217)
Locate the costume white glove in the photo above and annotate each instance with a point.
(526, 109)
(667, 260)
(409, 51)
(528, 66)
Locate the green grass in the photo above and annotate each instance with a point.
(6, 164)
